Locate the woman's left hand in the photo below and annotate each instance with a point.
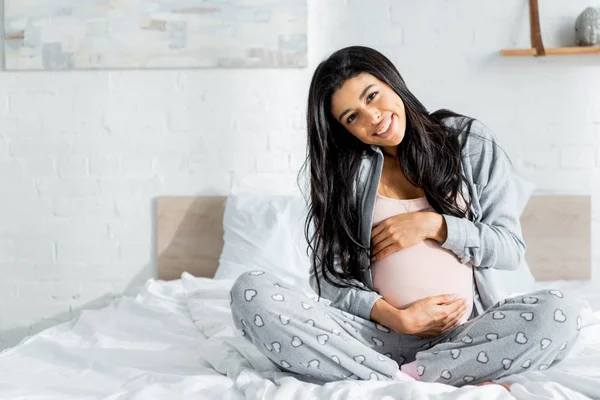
(405, 230)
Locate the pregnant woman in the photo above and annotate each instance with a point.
(409, 212)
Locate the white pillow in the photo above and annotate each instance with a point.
(266, 233)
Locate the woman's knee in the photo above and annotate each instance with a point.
(250, 281)
(247, 293)
(559, 313)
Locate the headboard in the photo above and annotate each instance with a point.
(556, 230)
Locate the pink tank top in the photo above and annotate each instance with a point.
(426, 269)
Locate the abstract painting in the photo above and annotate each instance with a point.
(96, 34)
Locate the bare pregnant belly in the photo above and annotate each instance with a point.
(426, 269)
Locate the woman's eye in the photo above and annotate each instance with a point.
(371, 96)
(351, 118)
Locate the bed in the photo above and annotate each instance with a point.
(176, 340)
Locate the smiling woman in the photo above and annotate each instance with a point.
(374, 111)
(409, 212)
(375, 114)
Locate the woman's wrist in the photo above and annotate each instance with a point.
(385, 314)
(435, 227)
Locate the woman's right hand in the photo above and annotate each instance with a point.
(432, 316)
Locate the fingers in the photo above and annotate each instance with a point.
(386, 252)
(382, 245)
(444, 312)
(449, 327)
(454, 317)
(455, 306)
(377, 230)
(444, 299)
(458, 311)
(375, 240)
(451, 324)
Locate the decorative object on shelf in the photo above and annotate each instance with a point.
(587, 27)
(98, 34)
(537, 46)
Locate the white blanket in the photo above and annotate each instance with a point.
(176, 340)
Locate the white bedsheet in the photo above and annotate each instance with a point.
(176, 340)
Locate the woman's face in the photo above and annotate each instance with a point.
(370, 110)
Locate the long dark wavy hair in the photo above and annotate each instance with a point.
(429, 156)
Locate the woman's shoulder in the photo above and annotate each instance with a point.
(469, 127)
(474, 134)
(481, 151)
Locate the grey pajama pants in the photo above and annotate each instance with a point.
(304, 336)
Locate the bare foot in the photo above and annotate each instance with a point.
(504, 385)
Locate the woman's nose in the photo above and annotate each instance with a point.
(375, 116)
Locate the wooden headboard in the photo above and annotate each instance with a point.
(556, 230)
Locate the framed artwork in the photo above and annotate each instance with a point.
(115, 34)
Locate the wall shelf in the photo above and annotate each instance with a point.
(537, 46)
(558, 51)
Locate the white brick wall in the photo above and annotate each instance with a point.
(84, 153)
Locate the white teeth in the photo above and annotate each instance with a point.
(384, 128)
